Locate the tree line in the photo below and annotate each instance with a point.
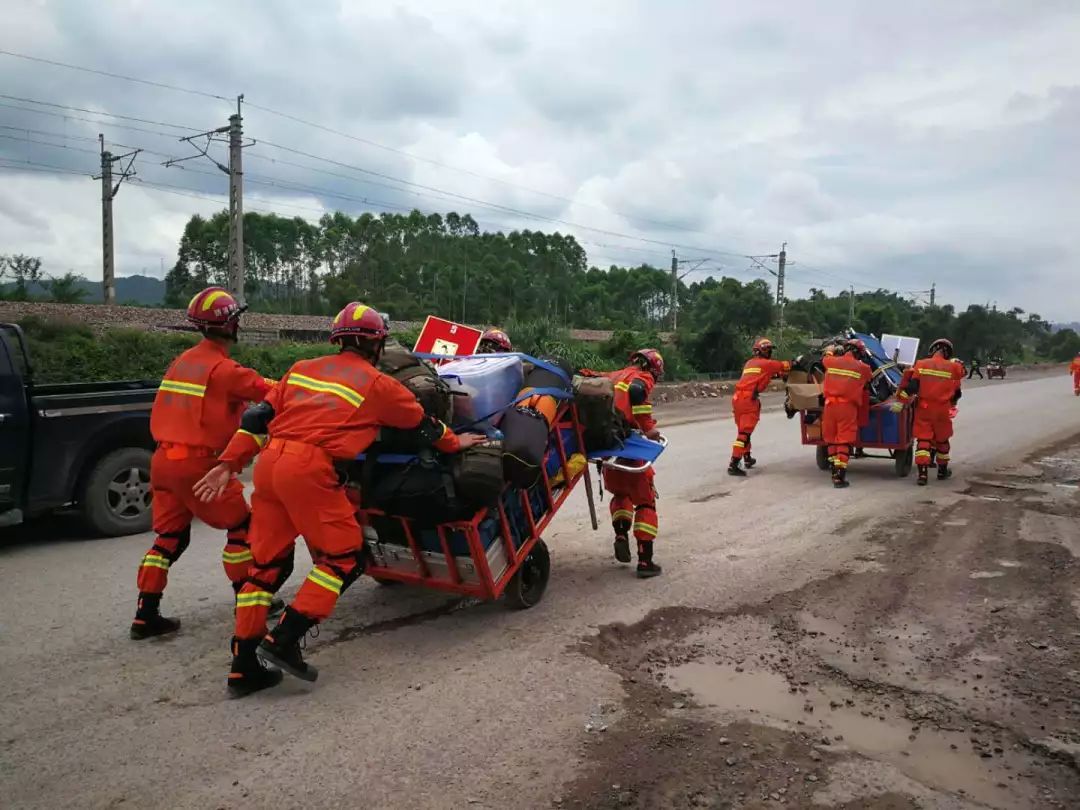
(538, 285)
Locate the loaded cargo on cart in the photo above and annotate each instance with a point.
(472, 523)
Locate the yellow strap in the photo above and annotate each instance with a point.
(325, 580)
(622, 513)
(646, 528)
(752, 370)
(181, 387)
(236, 556)
(843, 372)
(354, 398)
(254, 599)
(154, 561)
(933, 372)
(641, 409)
(622, 386)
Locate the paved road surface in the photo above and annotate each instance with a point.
(421, 702)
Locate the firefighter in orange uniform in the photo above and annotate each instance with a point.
(846, 378)
(1074, 367)
(758, 372)
(935, 381)
(323, 410)
(494, 341)
(633, 497)
(196, 411)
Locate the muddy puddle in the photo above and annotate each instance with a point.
(942, 759)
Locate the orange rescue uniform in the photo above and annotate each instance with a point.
(939, 382)
(196, 411)
(746, 402)
(325, 410)
(845, 381)
(633, 497)
(1074, 367)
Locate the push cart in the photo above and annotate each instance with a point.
(499, 550)
(886, 431)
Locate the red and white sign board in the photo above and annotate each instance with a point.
(446, 337)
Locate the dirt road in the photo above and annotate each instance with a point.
(882, 647)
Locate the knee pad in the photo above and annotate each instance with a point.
(272, 575)
(183, 540)
(240, 529)
(340, 565)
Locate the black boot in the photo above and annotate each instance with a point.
(622, 548)
(924, 476)
(839, 478)
(281, 646)
(943, 472)
(735, 469)
(646, 568)
(248, 674)
(148, 620)
(749, 461)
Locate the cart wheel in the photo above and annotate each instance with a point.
(903, 462)
(387, 583)
(526, 588)
(823, 458)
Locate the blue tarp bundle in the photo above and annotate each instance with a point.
(879, 360)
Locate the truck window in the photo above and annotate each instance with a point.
(12, 356)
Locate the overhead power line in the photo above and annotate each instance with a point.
(120, 76)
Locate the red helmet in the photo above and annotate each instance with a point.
(942, 345)
(654, 361)
(214, 307)
(763, 346)
(496, 340)
(358, 320)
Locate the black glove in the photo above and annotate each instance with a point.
(956, 396)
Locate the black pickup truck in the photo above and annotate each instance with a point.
(82, 446)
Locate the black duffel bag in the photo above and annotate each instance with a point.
(422, 489)
(478, 474)
(525, 440)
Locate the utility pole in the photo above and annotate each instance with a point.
(108, 193)
(851, 306)
(781, 264)
(674, 292)
(933, 294)
(236, 203)
(235, 140)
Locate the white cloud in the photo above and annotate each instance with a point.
(886, 144)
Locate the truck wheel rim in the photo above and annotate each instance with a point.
(129, 493)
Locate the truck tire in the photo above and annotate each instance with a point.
(115, 498)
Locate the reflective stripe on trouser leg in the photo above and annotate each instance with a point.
(741, 446)
(236, 558)
(622, 514)
(256, 594)
(839, 455)
(154, 568)
(943, 449)
(922, 453)
(646, 527)
(324, 584)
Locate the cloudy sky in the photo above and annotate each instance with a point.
(889, 144)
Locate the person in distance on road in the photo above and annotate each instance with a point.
(494, 341)
(323, 410)
(195, 413)
(975, 368)
(633, 496)
(846, 378)
(1074, 367)
(758, 372)
(935, 382)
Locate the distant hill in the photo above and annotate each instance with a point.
(141, 290)
(1074, 325)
